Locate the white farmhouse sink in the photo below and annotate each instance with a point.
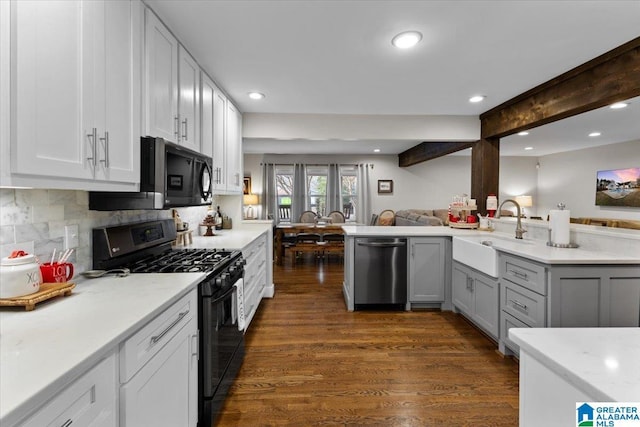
(470, 251)
(478, 251)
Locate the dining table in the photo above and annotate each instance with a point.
(301, 227)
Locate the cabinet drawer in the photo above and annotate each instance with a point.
(89, 401)
(144, 344)
(254, 250)
(528, 274)
(523, 304)
(507, 322)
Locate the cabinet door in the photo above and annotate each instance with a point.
(88, 401)
(234, 150)
(164, 391)
(219, 141)
(189, 100)
(207, 93)
(461, 289)
(485, 300)
(119, 132)
(161, 71)
(426, 270)
(47, 77)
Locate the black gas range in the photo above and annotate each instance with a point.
(145, 247)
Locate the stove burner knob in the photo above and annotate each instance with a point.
(232, 269)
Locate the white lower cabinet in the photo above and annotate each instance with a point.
(476, 295)
(88, 401)
(255, 275)
(159, 370)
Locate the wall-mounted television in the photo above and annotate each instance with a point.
(618, 187)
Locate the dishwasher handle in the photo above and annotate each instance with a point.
(383, 244)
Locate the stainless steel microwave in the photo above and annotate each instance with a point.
(170, 176)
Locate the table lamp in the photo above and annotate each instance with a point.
(249, 200)
(524, 202)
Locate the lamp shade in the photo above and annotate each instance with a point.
(250, 199)
(524, 201)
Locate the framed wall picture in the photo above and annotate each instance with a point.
(385, 186)
(618, 187)
(246, 185)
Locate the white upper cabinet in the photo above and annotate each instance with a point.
(172, 87)
(234, 150)
(161, 72)
(47, 76)
(189, 100)
(76, 93)
(113, 107)
(221, 138)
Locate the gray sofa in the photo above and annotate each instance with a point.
(422, 217)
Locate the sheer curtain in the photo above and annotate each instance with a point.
(299, 197)
(334, 189)
(363, 208)
(269, 195)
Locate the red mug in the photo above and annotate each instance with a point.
(56, 272)
(471, 219)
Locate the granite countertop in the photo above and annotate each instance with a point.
(535, 250)
(602, 362)
(43, 350)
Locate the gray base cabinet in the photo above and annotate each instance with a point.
(535, 295)
(475, 295)
(429, 266)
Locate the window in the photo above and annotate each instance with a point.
(317, 189)
(349, 191)
(284, 191)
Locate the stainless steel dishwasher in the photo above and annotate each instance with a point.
(380, 271)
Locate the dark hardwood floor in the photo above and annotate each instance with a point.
(310, 362)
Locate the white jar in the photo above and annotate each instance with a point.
(19, 276)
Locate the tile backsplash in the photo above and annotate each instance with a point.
(35, 220)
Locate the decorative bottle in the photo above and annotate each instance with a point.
(218, 218)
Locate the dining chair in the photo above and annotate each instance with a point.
(337, 217)
(308, 217)
(386, 217)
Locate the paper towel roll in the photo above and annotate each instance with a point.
(559, 221)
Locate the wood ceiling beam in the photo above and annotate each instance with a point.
(611, 77)
(429, 150)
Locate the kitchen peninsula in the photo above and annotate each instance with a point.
(535, 285)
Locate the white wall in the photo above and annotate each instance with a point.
(518, 177)
(570, 178)
(427, 185)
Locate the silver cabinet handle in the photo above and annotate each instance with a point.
(185, 127)
(156, 338)
(176, 127)
(519, 274)
(105, 140)
(67, 423)
(94, 138)
(518, 304)
(195, 349)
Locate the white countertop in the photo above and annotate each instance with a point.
(236, 238)
(602, 362)
(535, 250)
(43, 350)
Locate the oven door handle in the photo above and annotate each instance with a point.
(224, 296)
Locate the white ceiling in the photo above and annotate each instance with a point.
(335, 57)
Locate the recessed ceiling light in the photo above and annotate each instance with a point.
(407, 39)
(377, 150)
(477, 98)
(256, 95)
(528, 148)
(523, 133)
(618, 105)
(594, 134)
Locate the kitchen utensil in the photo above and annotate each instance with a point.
(58, 272)
(19, 275)
(94, 274)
